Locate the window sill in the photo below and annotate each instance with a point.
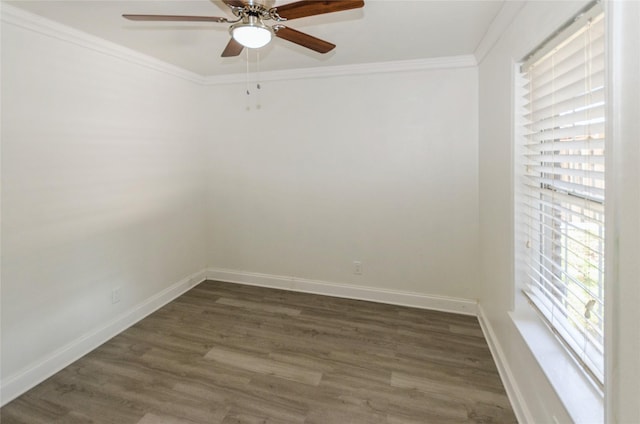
(582, 399)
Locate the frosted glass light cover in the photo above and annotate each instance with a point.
(251, 36)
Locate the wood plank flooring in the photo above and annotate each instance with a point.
(226, 353)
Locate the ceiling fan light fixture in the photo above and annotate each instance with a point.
(252, 34)
(248, 29)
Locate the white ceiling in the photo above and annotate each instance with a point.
(382, 31)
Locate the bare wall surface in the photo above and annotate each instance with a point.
(307, 176)
(119, 180)
(102, 190)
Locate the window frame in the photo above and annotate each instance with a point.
(560, 333)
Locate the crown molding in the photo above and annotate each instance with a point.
(21, 18)
(27, 20)
(449, 62)
(498, 26)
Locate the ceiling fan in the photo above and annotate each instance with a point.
(249, 29)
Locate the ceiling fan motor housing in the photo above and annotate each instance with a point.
(266, 4)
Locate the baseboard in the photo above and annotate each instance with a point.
(508, 380)
(394, 297)
(17, 384)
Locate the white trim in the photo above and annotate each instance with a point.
(622, 179)
(499, 25)
(21, 18)
(18, 17)
(23, 380)
(373, 294)
(581, 398)
(449, 62)
(20, 382)
(518, 403)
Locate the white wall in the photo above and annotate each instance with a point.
(102, 187)
(623, 349)
(498, 299)
(378, 168)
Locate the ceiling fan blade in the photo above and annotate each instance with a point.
(305, 40)
(174, 18)
(233, 48)
(303, 8)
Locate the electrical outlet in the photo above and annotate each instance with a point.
(115, 295)
(357, 267)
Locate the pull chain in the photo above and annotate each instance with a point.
(247, 83)
(247, 75)
(258, 69)
(258, 106)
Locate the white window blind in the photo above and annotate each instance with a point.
(562, 193)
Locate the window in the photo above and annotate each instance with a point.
(561, 189)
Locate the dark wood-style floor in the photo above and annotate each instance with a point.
(226, 353)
